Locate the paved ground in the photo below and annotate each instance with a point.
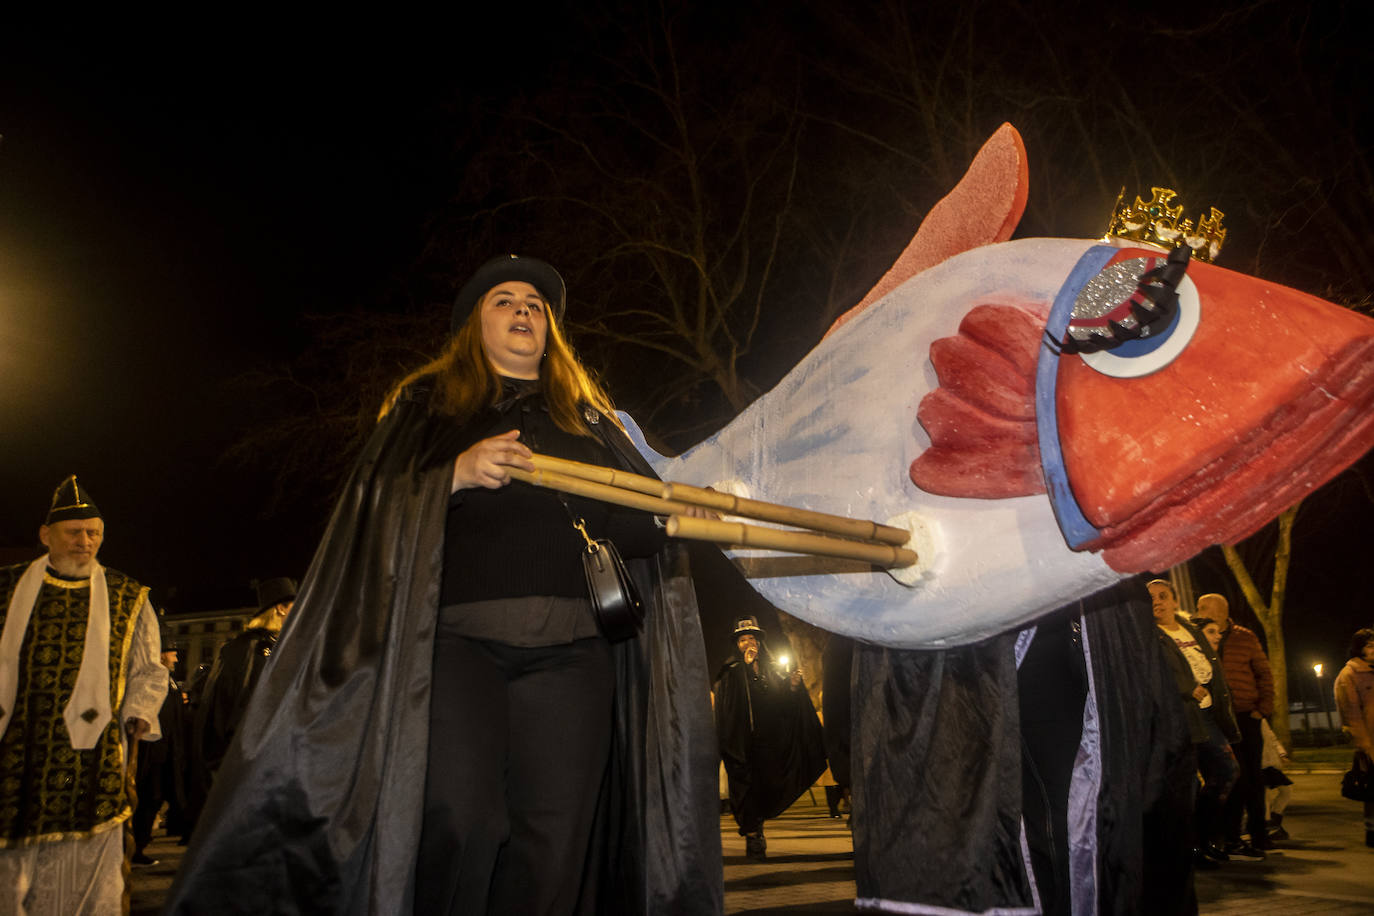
(1325, 869)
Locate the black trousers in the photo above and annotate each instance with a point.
(519, 740)
(1246, 801)
(149, 783)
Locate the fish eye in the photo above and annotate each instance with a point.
(1122, 334)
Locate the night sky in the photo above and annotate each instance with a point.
(164, 222)
(168, 213)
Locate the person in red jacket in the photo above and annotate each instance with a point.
(1252, 696)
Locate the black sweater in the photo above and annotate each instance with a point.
(519, 541)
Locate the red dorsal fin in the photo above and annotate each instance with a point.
(983, 208)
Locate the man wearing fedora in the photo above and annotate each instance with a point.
(236, 671)
(79, 680)
(770, 738)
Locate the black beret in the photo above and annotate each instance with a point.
(533, 271)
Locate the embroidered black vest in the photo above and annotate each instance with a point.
(50, 791)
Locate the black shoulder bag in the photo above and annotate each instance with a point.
(1357, 784)
(615, 599)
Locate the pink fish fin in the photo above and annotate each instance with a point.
(983, 209)
(981, 418)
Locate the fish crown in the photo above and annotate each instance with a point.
(1155, 222)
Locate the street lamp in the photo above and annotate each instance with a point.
(1321, 695)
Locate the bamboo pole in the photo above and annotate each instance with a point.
(727, 504)
(555, 480)
(884, 555)
(719, 532)
(724, 502)
(598, 474)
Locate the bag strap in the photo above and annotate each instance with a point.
(578, 523)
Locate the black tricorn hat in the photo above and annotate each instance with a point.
(71, 501)
(748, 625)
(533, 271)
(272, 592)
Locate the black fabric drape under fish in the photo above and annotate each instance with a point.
(938, 767)
(936, 764)
(317, 807)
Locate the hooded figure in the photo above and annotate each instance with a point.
(770, 738)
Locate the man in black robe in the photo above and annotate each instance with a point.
(770, 738)
(236, 671)
(162, 765)
(221, 700)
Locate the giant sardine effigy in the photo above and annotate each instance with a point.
(1046, 415)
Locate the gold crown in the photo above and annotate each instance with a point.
(1155, 222)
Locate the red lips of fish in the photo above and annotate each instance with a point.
(1273, 396)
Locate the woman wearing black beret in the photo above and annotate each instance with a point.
(443, 728)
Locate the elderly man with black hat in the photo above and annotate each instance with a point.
(79, 679)
(770, 738)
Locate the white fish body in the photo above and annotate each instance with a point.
(838, 435)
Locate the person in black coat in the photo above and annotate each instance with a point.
(770, 738)
(236, 671)
(220, 700)
(161, 771)
(442, 727)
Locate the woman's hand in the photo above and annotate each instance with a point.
(1199, 693)
(488, 463)
(702, 511)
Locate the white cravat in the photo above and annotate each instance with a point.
(88, 711)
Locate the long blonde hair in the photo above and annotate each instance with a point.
(465, 380)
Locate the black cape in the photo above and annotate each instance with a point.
(938, 774)
(228, 687)
(317, 807)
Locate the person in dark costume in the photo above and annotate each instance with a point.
(231, 680)
(80, 687)
(770, 738)
(221, 699)
(161, 771)
(836, 721)
(441, 727)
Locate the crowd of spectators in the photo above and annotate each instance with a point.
(1227, 689)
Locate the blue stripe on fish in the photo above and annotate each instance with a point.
(1075, 526)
